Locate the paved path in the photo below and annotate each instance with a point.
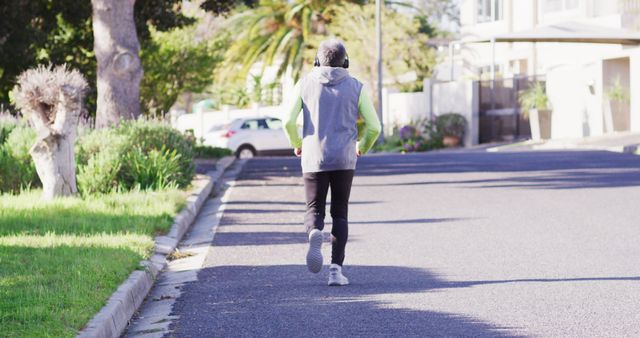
(456, 244)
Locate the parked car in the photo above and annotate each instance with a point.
(249, 137)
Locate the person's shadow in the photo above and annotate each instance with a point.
(288, 301)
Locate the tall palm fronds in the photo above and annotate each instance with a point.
(277, 29)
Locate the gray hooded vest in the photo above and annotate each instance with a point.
(330, 99)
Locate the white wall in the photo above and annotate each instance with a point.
(459, 97)
(634, 63)
(403, 108)
(576, 111)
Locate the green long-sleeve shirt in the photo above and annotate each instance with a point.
(365, 108)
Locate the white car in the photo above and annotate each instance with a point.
(249, 137)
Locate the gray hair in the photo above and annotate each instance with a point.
(332, 53)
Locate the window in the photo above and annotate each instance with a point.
(262, 124)
(255, 124)
(250, 124)
(559, 5)
(489, 10)
(485, 72)
(274, 123)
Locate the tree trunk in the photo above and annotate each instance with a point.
(53, 152)
(52, 99)
(119, 69)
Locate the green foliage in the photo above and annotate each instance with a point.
(291, 31)
(405, 46)
(175, 62)
(17, 170)
(99, 156)
(274, 29)
(451, 124)
(153, 135)
(57, 32)
(135, 155)
(154, 169)
(392, 143)
(417, 136)
(617, 92)
(6, 126)
(257, 89)
(411, 87)
(230, 93)
(533, 98)
(100, 173)
(201, 151)
(20, 142)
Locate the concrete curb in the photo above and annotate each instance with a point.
(623, 149)
(124, 302)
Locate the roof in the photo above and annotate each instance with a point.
(568, 32)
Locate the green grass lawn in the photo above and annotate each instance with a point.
(60, 261)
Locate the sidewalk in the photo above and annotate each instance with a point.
(627, 142)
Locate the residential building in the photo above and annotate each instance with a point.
(580, 77)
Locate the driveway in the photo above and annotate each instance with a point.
(441, 244)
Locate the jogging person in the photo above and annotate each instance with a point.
(331, 102)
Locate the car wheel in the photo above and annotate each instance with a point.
(245, 152)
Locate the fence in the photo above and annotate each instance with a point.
(500, 117)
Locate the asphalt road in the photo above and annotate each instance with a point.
(441, 244)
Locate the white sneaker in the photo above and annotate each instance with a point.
(314, 253)
(336, 278)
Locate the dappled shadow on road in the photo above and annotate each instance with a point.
(231, 220)
(408, 221)
(544, 280)
(461, 162)
(551, 180)
(259, 238)
(296, 203)
(534, 170)
(286, 300)
(258, 211)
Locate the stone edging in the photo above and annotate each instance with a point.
(115, 315)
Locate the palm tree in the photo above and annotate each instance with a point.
(277, 28)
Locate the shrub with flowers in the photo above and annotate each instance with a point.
(413, 137)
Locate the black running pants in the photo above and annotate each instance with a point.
(316, 186)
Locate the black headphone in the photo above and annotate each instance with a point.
(345, 64)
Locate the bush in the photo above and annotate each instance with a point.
(134, 155)
(17, 170)
(421, 135)
(451, 124)
(154, 135)
(392, 143)
(99, 156)
(534, 97)
(201, 151)
(6, 126)
(153, 169)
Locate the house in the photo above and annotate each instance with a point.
(586, 52)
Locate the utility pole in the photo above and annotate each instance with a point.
(379, 62)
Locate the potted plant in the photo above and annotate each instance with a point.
(616, 116)
(534, 103)
(452, 127)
